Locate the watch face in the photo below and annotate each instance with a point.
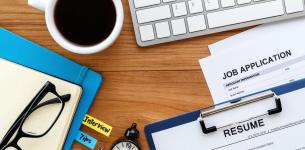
(125, 146)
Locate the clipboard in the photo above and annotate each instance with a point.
(159, 134)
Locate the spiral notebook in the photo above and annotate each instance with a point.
(18, 87)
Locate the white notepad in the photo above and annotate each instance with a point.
(18, 86)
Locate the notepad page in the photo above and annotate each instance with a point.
(18, 86)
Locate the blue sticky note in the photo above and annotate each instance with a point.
(86, 140)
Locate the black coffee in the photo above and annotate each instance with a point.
(85, 22)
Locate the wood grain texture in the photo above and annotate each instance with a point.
(141, 85)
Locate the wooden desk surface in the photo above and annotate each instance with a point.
(141, 85)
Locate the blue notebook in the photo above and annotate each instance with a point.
(21, 51)
(162, 135)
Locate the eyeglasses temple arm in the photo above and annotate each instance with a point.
(64, 98)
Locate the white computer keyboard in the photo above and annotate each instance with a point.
(160, 21)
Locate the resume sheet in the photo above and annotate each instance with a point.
(272, 56)
(282, 131)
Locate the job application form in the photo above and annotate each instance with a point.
(265, 61)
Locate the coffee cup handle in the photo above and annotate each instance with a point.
(39, 4)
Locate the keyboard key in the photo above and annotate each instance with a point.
(211, 4)
(178, 26)
(293, 6)
(243, 1)
(162, 29)
(227, 3)
(179, 9)
(195, 6)
(144, 3)
(228, 17)
(196, 23)
(147, 33)
(153, 14)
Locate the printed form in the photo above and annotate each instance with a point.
(282, 131)
(274, 55)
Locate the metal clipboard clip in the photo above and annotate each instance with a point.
(240, 103)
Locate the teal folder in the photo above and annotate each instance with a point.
(21, 51)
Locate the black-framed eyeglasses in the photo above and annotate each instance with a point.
(38, 117)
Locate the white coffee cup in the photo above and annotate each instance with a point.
(49, 6)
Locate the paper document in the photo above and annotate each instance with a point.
(282, 131)
(287, 30)
(273, 56)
